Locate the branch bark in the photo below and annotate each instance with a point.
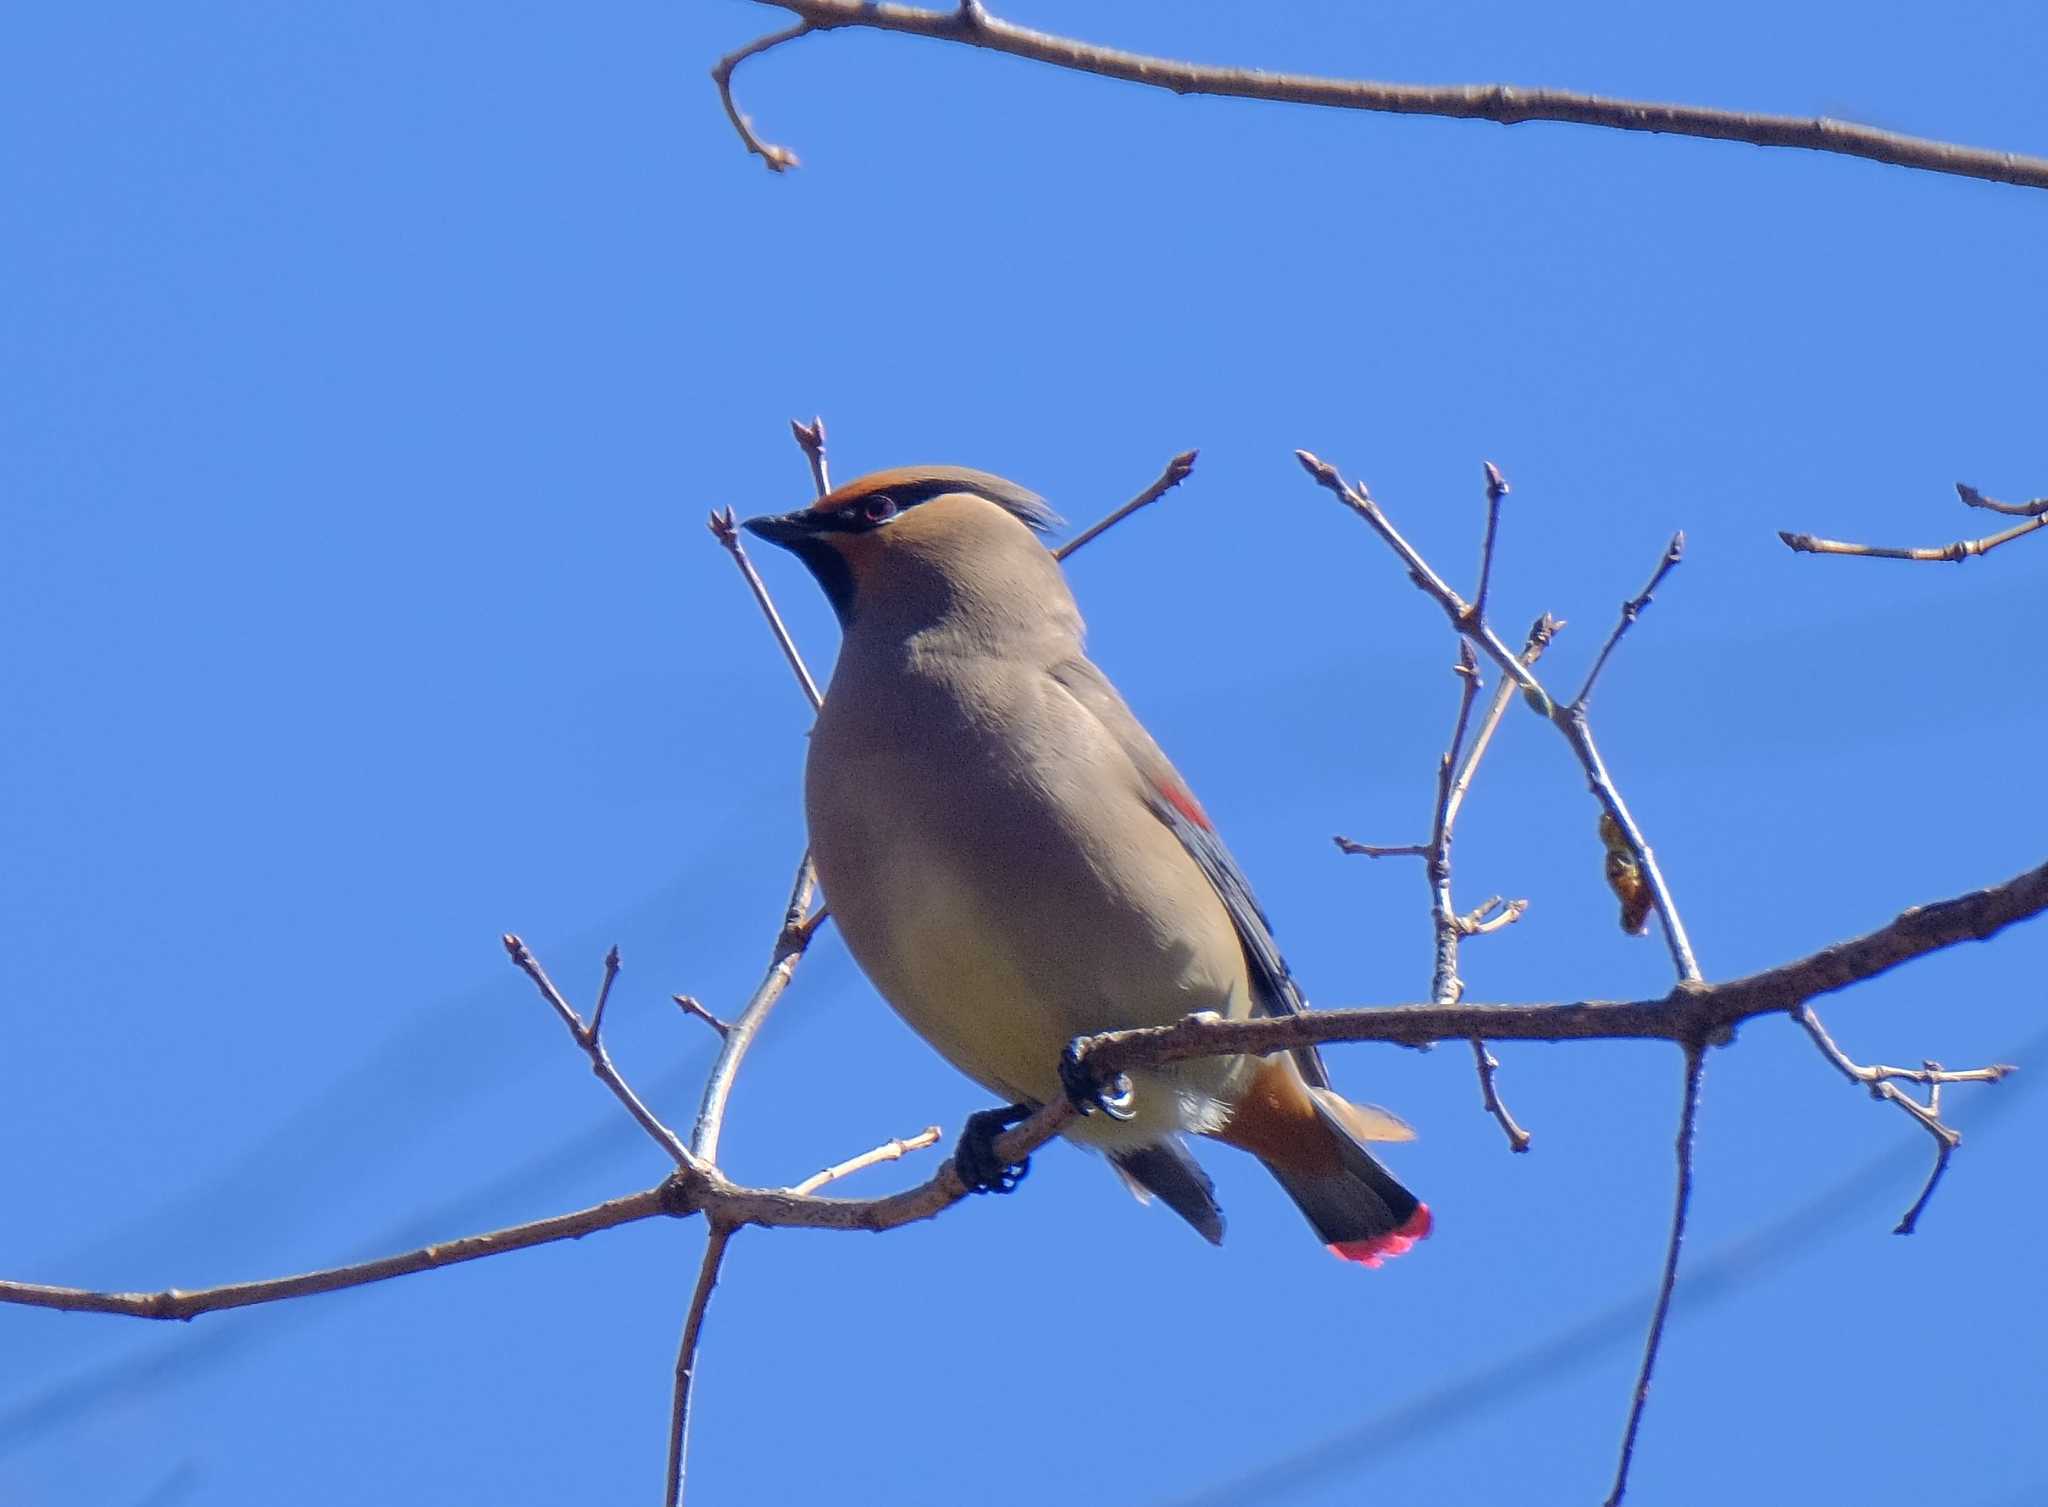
(1505, 104)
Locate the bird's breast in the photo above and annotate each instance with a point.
(989, 859)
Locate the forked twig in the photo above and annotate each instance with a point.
(1883, 1081)
(2034, 511)
(777, 159)
(592, 1043)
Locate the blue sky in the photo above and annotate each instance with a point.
(368, 375)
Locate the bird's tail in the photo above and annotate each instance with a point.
(1313, 1142)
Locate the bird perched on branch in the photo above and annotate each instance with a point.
(1015, 864)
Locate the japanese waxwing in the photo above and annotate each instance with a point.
(1014, 863)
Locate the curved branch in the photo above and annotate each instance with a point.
(1503, 104)
(1693, 1015)
(175, 1304)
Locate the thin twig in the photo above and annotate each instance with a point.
(594, 1048)
(1883, 1081)
(1688, 1120)
(1571, 721)
(1541, 632)
(1445, 986)
(1503, 103)
(1177, 471)
(1944, 1150)
(181, 1304)
(604, 991)
(1496, 490)
(691, 1006)
(1972, 498)
(1477, 922)
(810, 438)
(778, 159)
(791, 940)
(888, 1151)
(725, 529)
(1489, 1095)
(1631, 610)
(1371, 850)
(1961, 550)
(1496, 914)
(686, 1358)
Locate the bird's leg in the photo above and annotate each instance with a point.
(975, 1159)
(1086, 1090)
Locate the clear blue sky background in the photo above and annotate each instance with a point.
(367, 374)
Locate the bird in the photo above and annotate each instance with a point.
(1015, 864)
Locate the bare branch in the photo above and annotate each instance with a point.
(1445, 986)
(1489, 1095)
(1688, 1121)
(594, 1048)
(1494, 915)
(790, 943)
(1541, 632)
(604, 991)
(1692, 1015)
(810, 439)
(725, 529)
(1571, 721)
(1177, 471)
(1370, 850)
(777, 159)
(1631, 610)
(1961, 550)
(888, 1151)
(1883, 1081)
(686, 1358)
(1496, 491)
(691, 1006)
(1972, 498)
(173, 1303)
(1691, 1012)
(2034, 511)
(1502, 103)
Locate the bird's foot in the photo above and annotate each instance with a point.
(975, 1159)
(1088, 1091)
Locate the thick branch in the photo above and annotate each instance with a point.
(1701, 1014)
(1698, 1012)
(1502, 103)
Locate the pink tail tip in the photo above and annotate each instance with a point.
(1395, 1243)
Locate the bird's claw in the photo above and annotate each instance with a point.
(1085, 1088)
(975, 1159)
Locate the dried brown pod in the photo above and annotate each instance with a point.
(1625, 877)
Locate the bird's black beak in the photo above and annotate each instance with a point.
(786, 529)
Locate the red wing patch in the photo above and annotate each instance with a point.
(1186, 805)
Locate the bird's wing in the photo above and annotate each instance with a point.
(1274, 991)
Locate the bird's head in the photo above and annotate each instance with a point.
(923, 533)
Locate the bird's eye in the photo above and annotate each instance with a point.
(879, 509)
